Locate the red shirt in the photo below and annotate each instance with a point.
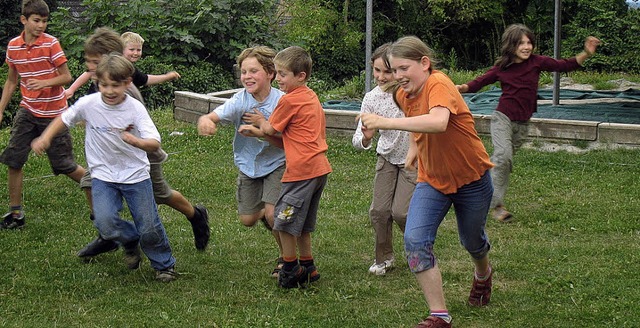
(39, 60)
(300, 118)
(519, 83)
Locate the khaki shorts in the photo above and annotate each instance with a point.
(253, 193)
(27, 127)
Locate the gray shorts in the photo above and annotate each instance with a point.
(253, 193)
(27, 127)
(161, 189)
(297, 208)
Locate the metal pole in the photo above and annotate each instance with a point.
(367, 60)
(556, 50)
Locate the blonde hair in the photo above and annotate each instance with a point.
(411, 47)
(103, 41)
(115, 67)
(132, 37)
(295, 59)
(263, 54)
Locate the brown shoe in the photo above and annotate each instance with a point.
(480, 291)
(434, 322)
(502, 215)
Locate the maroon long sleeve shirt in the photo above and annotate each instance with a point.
(519, 83)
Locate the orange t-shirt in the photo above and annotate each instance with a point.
(456, 157)
(39, 60)
(300, 118)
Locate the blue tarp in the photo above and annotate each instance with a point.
(484, 103)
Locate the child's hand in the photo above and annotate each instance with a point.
(254, 117)
(174, 75)
(35, 84)
(206, 126)
(249, 130)
(39, 145)
(368, 133)
(129, 138)
(68, 93)
(370, 120)
(462, 88)
(591, 44)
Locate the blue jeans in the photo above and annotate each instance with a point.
(146, 226)
(428, 208)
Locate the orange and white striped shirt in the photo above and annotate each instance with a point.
(39, 60)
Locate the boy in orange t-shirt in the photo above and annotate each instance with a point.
(299, 120)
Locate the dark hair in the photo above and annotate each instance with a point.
(103, 41)
(295, 59)
(510, 41)
(35, 7)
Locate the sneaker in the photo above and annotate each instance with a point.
(167, 275)
(132, 255)
(480, 291)
(381, 269)
(157, 157)
(10, 221)
(200, 227)
(97, 247)
(501, 214)
(433, 322)
(293, 278)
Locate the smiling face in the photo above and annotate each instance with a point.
(132, 51)
(113, 92)
(255, 79)
(381, 74)
(34, 26)
(287, 81)
(524, 49)
(410, 74)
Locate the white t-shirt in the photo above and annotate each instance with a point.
(108, 156)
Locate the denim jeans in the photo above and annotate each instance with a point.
(146, 226)
(428, 208)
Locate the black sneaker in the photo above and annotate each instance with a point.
(200, 227)
(312, 275)
(293, 278)
(132, 255)
(10, 221)
(167, 275)
(97, 247)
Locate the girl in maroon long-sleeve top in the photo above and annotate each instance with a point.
(518, 71)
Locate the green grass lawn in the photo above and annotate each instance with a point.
(570, 259)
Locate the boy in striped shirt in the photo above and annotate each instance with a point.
(36, 61)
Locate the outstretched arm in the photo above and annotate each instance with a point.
(148, 145)
(80, 81)
(157, 79)
(590, 46)
(207, 124)
(435, 122)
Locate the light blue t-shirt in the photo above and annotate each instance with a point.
(254, 157)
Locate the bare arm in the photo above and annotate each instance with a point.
(80, 81)
(435, 122)
(42, 143)
(157, 79)
(63, 78)
(148, 145)
(590, 46)
(9, 88)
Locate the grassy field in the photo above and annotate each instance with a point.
(570, 259)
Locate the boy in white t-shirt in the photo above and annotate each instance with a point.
(119, 133)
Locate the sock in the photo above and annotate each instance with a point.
(442, 314)
(484, 276)
(289, 263)
(15, 210)
(308, 262)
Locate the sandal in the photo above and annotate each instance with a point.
(276, 271)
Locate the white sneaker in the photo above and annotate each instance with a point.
(381, 269)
